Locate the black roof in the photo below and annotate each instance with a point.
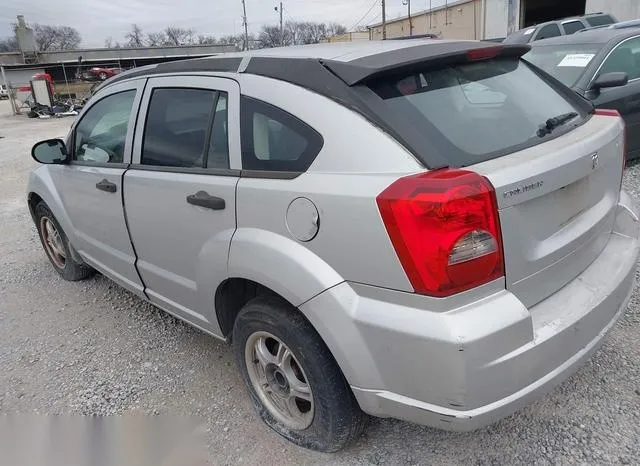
(362, 62)
(594, 36)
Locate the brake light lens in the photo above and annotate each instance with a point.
(445, 229)
(485, 53)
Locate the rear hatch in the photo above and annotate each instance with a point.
(557, 202)
(556, 167)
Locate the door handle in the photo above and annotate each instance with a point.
(106, 185)
(204, 199)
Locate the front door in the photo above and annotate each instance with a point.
(180, 192)
(91, 184)
(626, 99)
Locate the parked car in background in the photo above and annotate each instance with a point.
(361, 251)
(634, 23)
(562, 27)
(602, 65)
(98, 73)
(4, 92)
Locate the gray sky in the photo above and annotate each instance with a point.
(99, 19)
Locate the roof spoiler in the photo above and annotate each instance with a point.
(410, 59)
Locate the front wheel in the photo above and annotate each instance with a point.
(295, 384)
(56, 245)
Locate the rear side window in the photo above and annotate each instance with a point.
(275, 140)
(476, 111)
(550, 30)
(601, 20)
(572, 27)
(186, 128)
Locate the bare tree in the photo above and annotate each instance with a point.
(156, 39)
(206, 40)
(9, 44)
(56, 37)
(237, 40)
(179, 36)
(135, 37)
(269, 37)
(108, 43)
(298, 33)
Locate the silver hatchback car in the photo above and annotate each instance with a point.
(427, 230)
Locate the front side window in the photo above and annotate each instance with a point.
(567, 62)
(275, 140)
(550, 30)
(624, 58)
(100, 135)
(476, 111)
(186, 128)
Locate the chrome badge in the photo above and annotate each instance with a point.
(594, 161)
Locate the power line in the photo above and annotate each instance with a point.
(373, 5)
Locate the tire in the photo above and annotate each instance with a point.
(332, 418)
(58, 250)
(103, 76)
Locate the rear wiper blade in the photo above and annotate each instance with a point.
(554, 122)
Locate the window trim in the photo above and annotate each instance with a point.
(189, 81)
(137, 86)
(595, 74)
(314, 139)
(209, 128)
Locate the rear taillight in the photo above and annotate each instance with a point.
(445, 229)
(616, 114)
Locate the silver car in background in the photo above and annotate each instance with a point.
(428, 230)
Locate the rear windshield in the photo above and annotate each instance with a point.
(567, 63)
(475, 112)
(601, 20)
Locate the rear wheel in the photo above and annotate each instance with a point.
(56, 245)
(295, 384)
(103, 76)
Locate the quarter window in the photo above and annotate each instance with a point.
(550, 30)
(100, 135)
(186, 128)
(275, 140)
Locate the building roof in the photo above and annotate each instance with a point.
(421, 12)
(594, 36)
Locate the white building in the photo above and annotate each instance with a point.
(501, 17)
(493, 19)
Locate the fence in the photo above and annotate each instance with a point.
(70, 82)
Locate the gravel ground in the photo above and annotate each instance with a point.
(93, 348)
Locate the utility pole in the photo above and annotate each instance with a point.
(384, 21)
(408, 3)
(281, 28)
(246, 26)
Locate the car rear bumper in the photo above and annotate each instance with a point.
(465, 368)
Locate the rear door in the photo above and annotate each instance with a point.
(91, 184)
(180, 191)
(625, 57)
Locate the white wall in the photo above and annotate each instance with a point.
(496, 18)
(623, 10)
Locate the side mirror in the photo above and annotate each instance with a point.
(50, 151)
(613, 79)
